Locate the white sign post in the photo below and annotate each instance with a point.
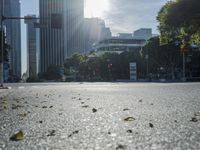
(133, 71)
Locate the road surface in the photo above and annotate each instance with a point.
(100, 116)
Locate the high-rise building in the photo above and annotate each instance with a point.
(61, 30)
(95, 30)
(143, 33)
(13, 33)
(32, 46)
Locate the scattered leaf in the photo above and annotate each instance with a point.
(109, 132)
(152, 104)
(121, 147)
(129, 119)
(75, 132)
(140, 100)
(175, 121)
(197, 113)
(52, 133)
(126, 109)
(44, 107)
(194, 119)
(51, 107)
(22, 115)
(17, 136)
(129, 131)
(151, 125)
(85, 106)
(79, 99)
(94, 110)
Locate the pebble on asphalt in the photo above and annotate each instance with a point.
(17, 136)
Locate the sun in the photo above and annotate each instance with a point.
(95, 8)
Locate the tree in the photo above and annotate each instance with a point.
(180, 20)
(6, 48)
(53, 73)
(166, 57)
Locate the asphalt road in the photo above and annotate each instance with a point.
(100, 116)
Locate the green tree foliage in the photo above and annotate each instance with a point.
(97, 68)
(53, 73)
(6, 48)
(162, 57)
(180, 20)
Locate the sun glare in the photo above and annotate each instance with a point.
(96, 8)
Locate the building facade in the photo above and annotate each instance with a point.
(13, 33)
(61, 30)
(95, 30)
(32, 46)
(143, 33)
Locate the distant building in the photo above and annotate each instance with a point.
(125, 35)
(118, 45)
(61, 33)
(143, 33)
(94, 31)
(13, 33)
(32, 46)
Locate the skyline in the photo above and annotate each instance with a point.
(115, 16)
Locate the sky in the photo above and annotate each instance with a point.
(122, 16)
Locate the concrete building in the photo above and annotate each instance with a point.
(125, 35)
(61, 33)
(13, 32)
(143, 33)
(95, 30)
(32, 46)
(118, 45)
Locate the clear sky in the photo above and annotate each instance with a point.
(120, 15)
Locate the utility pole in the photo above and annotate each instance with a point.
(184, 79)
(2, 43)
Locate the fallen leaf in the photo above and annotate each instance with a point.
(44, 107)
(140, 100)
(129, 119)
(17, 136)
(121, 147)
(52, 133)
(197, 113)
(79, 99)
(151, 125)
(85, 106)
(94, 110)
(194, 119)
(22, 115)
(129, 131)
(126, 109)
(51, 107)
(75, 132)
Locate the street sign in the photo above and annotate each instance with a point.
(133, 71)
